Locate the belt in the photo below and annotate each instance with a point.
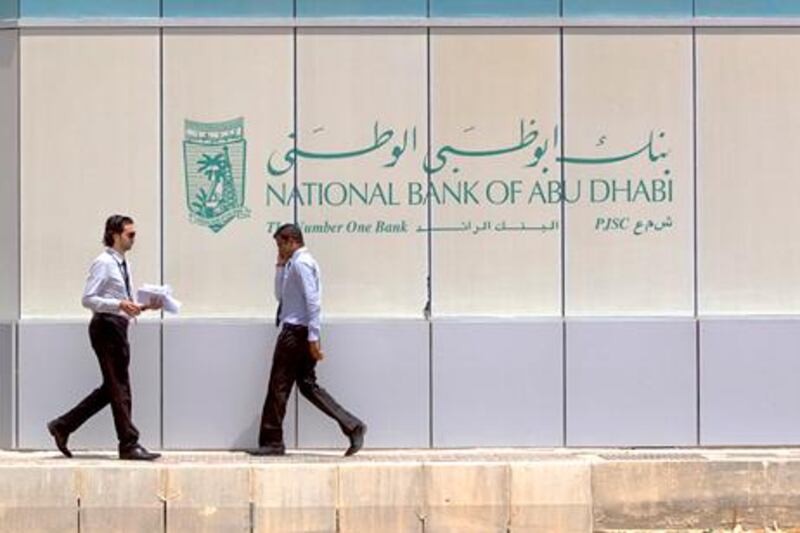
(120, 320)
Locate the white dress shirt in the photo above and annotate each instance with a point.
(105, 286)
(298, 288)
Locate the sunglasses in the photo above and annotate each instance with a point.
(130, 234)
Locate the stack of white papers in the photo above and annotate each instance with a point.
(151, 293)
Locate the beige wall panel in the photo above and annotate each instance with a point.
(748, 189)
(348, 80)
(213, 76)
(90, 148)
(9, 175)
(621, 85)
(484, 83)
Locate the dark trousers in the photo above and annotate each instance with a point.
(109, 337)
(292, 363)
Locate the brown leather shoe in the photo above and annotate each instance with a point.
(60, 437)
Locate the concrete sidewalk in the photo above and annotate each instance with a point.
(420, 491)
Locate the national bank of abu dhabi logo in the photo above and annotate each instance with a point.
(214, 160)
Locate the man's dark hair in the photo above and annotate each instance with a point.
(289, 231)
(115, 224)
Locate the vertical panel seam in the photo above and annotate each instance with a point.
(695, 238)
(429, 239)
(161, 206)
(18, 176)
(563, 245)
(295, 129)
(15, 332)
(15, 383)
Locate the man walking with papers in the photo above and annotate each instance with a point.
(108, 294)
(298, 289)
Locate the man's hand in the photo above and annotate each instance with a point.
(281, 260)
(316, 351)
(130, 308)
(154, 304)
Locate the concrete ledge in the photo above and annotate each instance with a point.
(38, 497)
(208, 497)
(551, 496)
(386, 496)
(701, 492)
(466, 497)
(481, 490)
(294, 498)
(121, 497)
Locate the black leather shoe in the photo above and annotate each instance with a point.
(60, 437)
(356, 440)
(138, 452)
(268, 450)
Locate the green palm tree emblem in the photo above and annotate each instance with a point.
(217, 170)
(214, 157)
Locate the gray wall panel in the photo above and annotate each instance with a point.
(57, 369)
(379, 371)
(9, 175)
(748, 381)
(7, 386)
(631, 382)
(497, 383)
(215, 382)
